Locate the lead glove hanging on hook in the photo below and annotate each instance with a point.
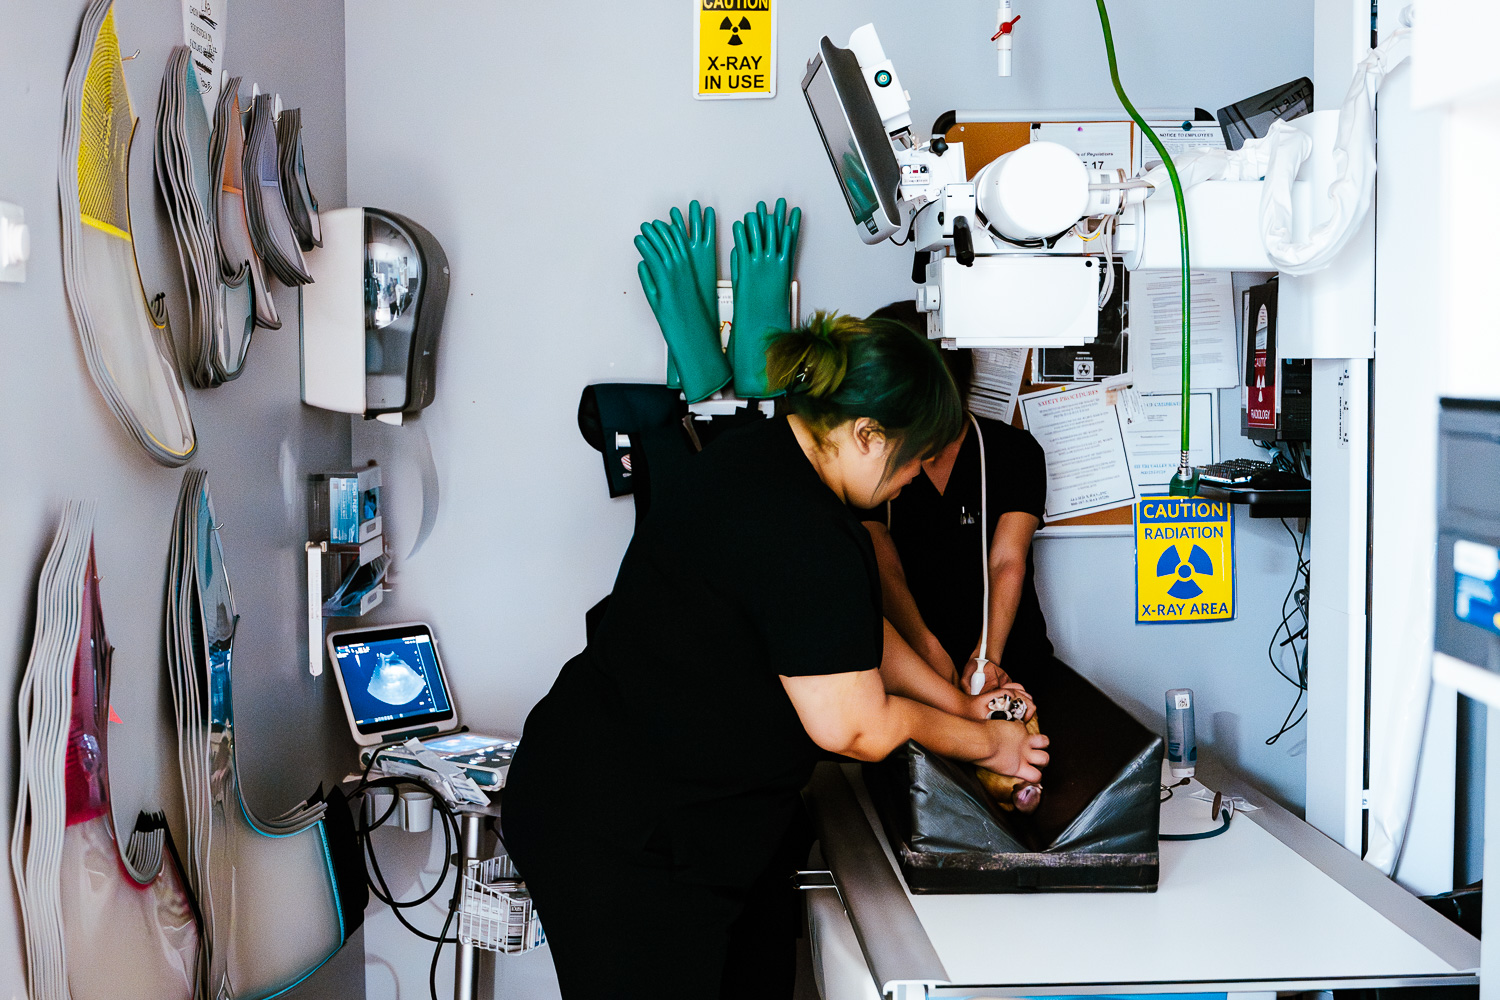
(678, 261)
(701, 233)
(765, 252)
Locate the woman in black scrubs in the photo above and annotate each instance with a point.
(934, 560)
(653, 806)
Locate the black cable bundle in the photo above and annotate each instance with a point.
(1293, 606)
(375, 879)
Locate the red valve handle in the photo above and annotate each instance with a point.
(1006, 28)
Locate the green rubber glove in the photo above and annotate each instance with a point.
(700, 231)
(689, 328)
(765, 249)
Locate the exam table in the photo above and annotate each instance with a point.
(1271, 904)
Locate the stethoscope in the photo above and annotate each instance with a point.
(976, 683)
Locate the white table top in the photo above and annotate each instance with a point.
(1240, 908)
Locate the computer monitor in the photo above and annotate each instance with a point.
(392, 682)
(855, 140)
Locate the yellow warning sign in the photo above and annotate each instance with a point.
(735, 50)
(1184, 560)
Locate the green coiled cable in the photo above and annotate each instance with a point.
(1185, 481)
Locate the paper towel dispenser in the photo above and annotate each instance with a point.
(372, 315)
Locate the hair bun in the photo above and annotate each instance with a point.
(814, 358)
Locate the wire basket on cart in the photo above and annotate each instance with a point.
(495, 911)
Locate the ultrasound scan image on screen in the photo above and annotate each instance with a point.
(392, 679)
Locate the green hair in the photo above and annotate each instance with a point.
(838, 368)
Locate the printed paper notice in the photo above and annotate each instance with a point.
(1154, 440)
(203, 32)
(1179, 137)
(1087, 466)
(1100, 145)
(1156, 331)
(997, 381)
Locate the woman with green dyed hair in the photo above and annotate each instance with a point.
(653, 806)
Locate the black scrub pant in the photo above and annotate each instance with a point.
(624, 928)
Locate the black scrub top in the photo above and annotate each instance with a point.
(671, 734)
(937, 537)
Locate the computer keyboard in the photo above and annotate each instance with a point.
(1234, 471)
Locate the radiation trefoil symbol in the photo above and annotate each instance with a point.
(728, 25)
(1184, 588)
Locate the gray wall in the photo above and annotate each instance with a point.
(533, 143)
(255, 437)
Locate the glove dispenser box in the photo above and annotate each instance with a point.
(1096, 828)
(372, 315)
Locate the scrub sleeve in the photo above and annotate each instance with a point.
(654, 803)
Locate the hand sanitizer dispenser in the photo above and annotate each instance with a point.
(372, 315)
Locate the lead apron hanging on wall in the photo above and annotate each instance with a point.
(126, 342)
(273, 906)
(99, 924)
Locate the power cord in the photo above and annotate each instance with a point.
(1226, 814)
(1293, 607)
(1221, 808)
(375, 879)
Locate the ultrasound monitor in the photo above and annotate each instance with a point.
(392, 682)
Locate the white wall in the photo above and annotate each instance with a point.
(60, 441)
(533, 142)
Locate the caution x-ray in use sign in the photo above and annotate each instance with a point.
(735, 48)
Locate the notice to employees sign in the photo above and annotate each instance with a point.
(1184, 560)
(734, 49)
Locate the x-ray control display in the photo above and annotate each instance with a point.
(848, 162)
(392, 679)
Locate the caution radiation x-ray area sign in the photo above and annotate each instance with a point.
(735, 48)
(1184, 560)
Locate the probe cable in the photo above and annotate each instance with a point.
(976, 682)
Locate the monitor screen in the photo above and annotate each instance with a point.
(838, 139)
(855, 140)
(391, 678)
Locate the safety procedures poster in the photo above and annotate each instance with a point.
(1184, 560)
(1087, 465)
(734, 49)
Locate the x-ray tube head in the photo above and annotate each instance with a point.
(855, 138)
(1036, 191)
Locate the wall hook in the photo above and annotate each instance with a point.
(133, 55)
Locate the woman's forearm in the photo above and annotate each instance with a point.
(902, 719)
(907, 674)
(1006, 583)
